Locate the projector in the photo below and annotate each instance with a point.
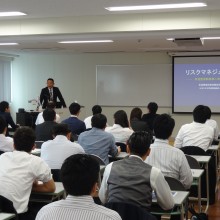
(186, 42)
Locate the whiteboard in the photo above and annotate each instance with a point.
(134, 85)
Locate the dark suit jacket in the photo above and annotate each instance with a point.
(44, 131)
(149, 119)
(75, 125)
(9, 121)
(45, 96)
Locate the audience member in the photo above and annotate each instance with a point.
(196, 133)
(79, 174)
(151, 115)
(5, 113)
(40, 119)
(96, 109)
(170, 160)
(55, 151)
(6, 143)
(75, 125)
(135, 120)
(20, 172)
(97, 141)
(131, 180)
(44, 131)
(120, 130)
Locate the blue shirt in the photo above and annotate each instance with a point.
(98, 142)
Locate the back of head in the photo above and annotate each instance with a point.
(79, 173)
(139, 142)
(208, 112)
(3, 106)
(163, 126)
(152, 107)
(199, 114)
(96, 109)
(99, 121)
(136, 113)
(24, 139)
(74, 108)
(121, 118)
(51, 105)
(61, 129)
(3, 125)
(49, 114)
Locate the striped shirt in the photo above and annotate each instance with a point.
(76, 208)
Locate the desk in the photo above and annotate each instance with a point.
(6, 216)
(121, 155)
(180, 198)
(36, 152)
(197, 173)
(205, 160)
(48, 197)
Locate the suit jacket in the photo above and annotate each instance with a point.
(7, 117)
(44, 131)
(45, 96)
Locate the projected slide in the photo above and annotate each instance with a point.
(196, 80)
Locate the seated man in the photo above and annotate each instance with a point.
(44, 131)
(75, 125)
(20, 172)
(6, 143)
(196, 133)
(5, 113)
(55, 151)
(97, 141)
(132, 180)
(96, 109)
(79, 174)
(170, 160)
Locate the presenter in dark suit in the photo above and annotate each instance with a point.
(51, 93)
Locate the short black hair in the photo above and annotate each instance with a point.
(3, 106)
(61, 129)
(163, 126)
(139, 142)
(121, 118)
(136, 113)
(96, 109)
(152, 106)
(3, 125)
(208, 112)
(51, 79)
(74, 108)
(99, 121)
(199, 114)
(24, 139)
(79, 173)
(49, 114)
(51, 105)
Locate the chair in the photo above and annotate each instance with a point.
(129, 211)
(6, 205)
(193, 150)
(193, 163)
(174, 184)
(39, 144)
(98, 159)
(1, 152)
(56, 175)
(122, 145)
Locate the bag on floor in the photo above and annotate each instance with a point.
(198, 216)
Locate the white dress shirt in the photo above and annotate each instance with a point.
(6, 143)
(18, 171)
(55, 151)
(76, 208)
(195, 134)
(157, 182)
(171, 161)
(88, 122)
(40, 118)
(213, 124)
(120, 134)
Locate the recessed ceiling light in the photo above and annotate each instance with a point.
(3, 44)
(85, 41)
(210, 38)
(161, 6)
(12, 13)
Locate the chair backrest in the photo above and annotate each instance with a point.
(129, 211)
(56, 175)
(98, 159)
(193, 150)
(122, 145)
(1, 152)
(193, 163)
(174, 184)
(6, 205)
(39, 144)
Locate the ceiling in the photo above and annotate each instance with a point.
(50, 21)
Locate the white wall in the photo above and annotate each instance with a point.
(75, 75)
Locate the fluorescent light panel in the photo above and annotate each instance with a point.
(4, 44)
(210, 38)
(85, 41)
(11, 13)
(161, 6)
